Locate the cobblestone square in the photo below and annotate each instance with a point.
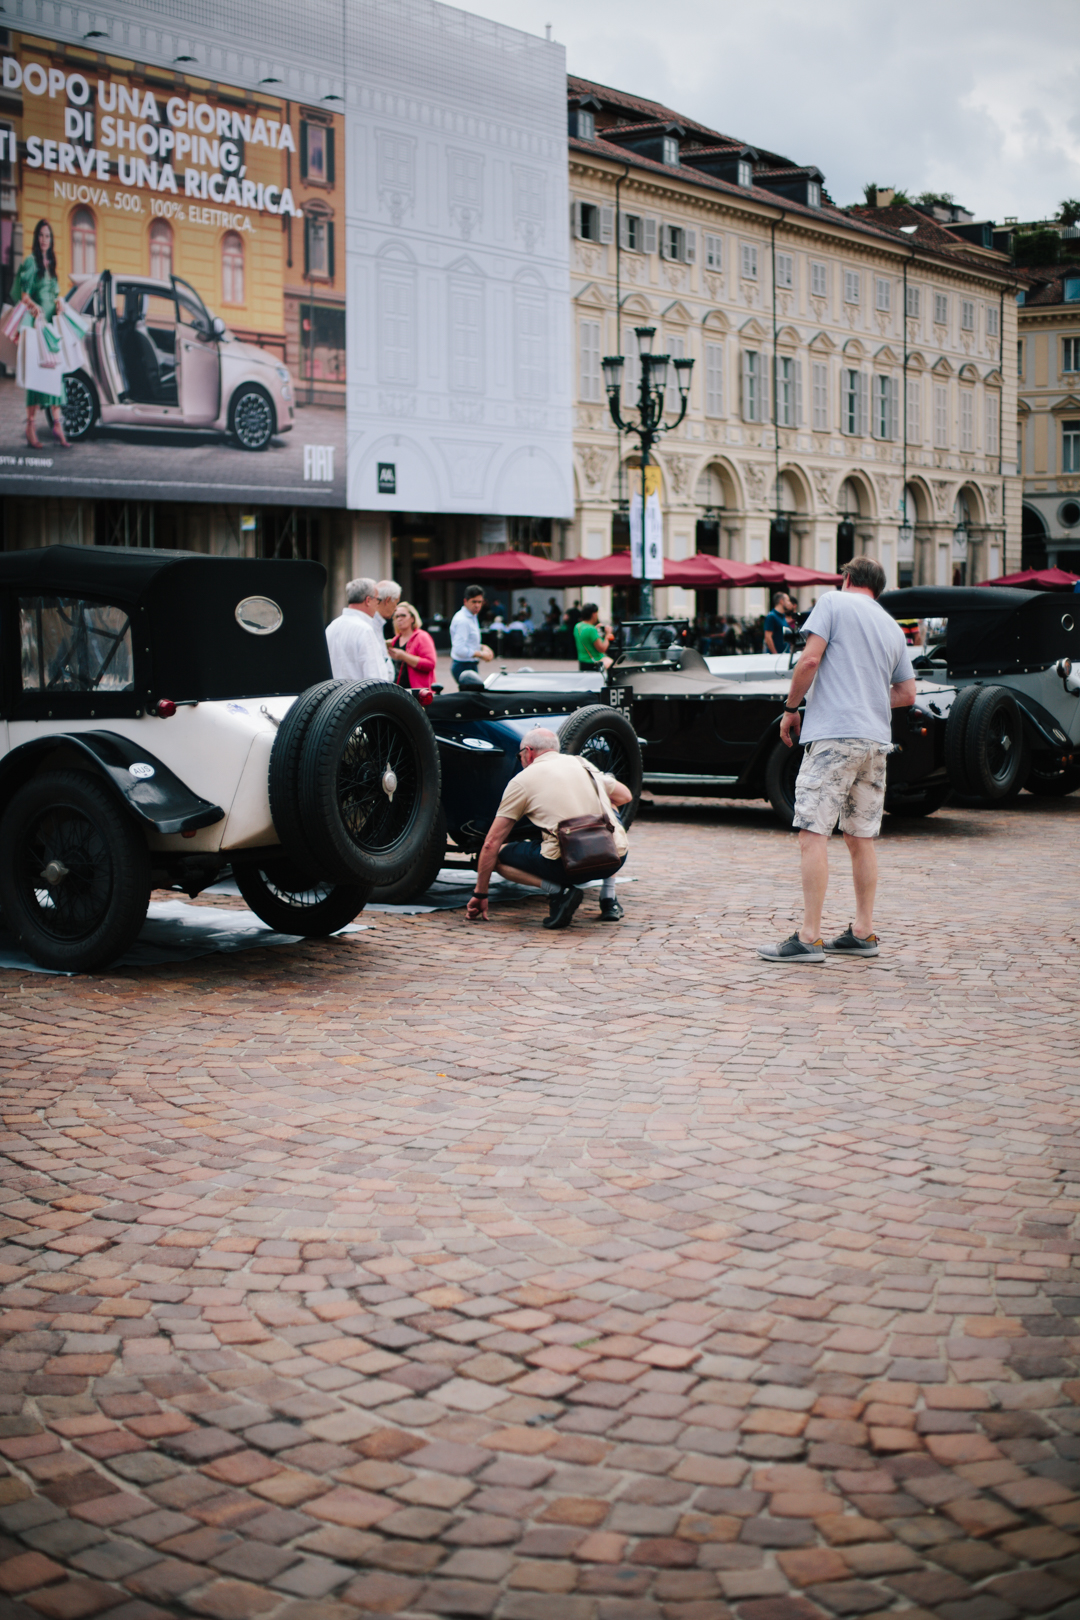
(613, 1274)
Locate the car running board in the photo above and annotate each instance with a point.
(666, 778)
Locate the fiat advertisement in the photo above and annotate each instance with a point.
(172, 285)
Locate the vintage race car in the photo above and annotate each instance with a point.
(164, 715)
(1008, 673)
(157, 358)
(710, 727)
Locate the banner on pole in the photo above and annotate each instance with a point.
(646, 550)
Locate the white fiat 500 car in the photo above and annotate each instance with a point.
(164, 715)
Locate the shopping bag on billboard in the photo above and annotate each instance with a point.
(9, 338)
(73, 355)
(50, 344)
(79, 324)
(30, 372)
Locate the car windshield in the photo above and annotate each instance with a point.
(71, 645)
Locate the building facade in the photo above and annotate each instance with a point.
(847, 362)
(1048, 424)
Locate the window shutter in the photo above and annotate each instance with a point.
(575, 219)
(797, 418)
(864, 403)
(624, 230)
(714, 379)
(303, 149)
(747, 393)
(607, 224)
(330, 160)
(307, 248)
(894, 428)
(330, 248)
(650, 236)
(764, 414)
(690, 246)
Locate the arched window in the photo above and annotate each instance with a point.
(232, 268)
(161, 247)
(83, 243)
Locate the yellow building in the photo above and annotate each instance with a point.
(847, 362)
(1048, 429)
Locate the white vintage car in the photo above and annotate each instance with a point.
(164, 715)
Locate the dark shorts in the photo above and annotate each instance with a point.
(461, 664)
(526, 857)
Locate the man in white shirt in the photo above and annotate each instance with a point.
(357, 649)
(466, 648)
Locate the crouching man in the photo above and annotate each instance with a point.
(550, 787)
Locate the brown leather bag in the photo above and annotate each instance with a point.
(587, 843)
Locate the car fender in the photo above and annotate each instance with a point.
(1043, 731)
(147, 787)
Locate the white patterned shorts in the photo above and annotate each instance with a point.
(842, 779)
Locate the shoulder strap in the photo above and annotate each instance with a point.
(606, 807)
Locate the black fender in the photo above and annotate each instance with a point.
(160, 800)
(1043, 731)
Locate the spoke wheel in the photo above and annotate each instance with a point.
(75, 875)
(293, 902)
(369, 784)
(1053, 782)
(252, 417)
(80, 410)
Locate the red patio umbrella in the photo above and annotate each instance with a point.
(774, 573)
(700, 572)
(1037, 579)
(513, 567)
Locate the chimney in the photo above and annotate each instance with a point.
(881, 196)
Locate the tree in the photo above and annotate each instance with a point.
(1040, 246)
(1069, 212)
(935, 199)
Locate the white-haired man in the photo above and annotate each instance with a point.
(550, 787)
(357, 649)
(389, 595)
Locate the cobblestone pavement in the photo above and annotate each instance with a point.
(609, 1275)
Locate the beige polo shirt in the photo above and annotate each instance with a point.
(554, 788)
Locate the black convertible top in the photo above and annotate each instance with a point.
(187, 641)
(995, 631)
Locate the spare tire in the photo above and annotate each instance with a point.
(607, 739)
(369, 783)
(995, 748)
(955, 736)
(284, 776)
(293, 903)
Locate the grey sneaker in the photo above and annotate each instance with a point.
(849, 943)
(793, 952)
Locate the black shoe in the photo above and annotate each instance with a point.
(563, 906)
(610, 911)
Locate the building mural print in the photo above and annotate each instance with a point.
(172, 278)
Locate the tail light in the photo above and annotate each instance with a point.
(163, 708)
(425, 695)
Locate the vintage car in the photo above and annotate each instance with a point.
(157, 358)
(710, 727)
(165, 715)
(1008, 716)
(479, 730)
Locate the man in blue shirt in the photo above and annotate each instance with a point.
(466, 648)
(777, 633)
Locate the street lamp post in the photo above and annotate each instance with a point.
(650, 411)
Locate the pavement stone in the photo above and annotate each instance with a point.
(437, 1270)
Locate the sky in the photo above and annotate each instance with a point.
(978, 99)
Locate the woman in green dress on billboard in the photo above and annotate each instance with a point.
(37, 285)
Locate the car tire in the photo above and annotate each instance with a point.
(361, 828)
(81, 406)
(995, 748)
(607, 739)
(420, 877)
(781, 769)
(284, 774)
(955, 741)
(251, 417)
(917, 801)
(93, 911)
(1053, 784)
(289, 901)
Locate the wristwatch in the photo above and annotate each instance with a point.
(788, 710)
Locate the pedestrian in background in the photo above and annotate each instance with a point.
(776, 631)
(466, 648)
(857, 659)
(412, 649)
(550, 787)
(389, 594)
(357, 649)
(591, 639)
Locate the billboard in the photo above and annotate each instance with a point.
(172, 279)
(459, 289)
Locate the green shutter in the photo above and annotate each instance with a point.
(303, 150)
(330, 171)
(307, 228)
(330, 249)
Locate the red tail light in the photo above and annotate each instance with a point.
(164, 708)
(426, 696)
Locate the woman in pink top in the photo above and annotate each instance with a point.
(412, 649)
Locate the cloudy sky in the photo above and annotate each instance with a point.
(982, 100)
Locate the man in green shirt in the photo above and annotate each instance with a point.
(592, 639)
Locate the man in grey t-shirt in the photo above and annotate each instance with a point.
(857, 660)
